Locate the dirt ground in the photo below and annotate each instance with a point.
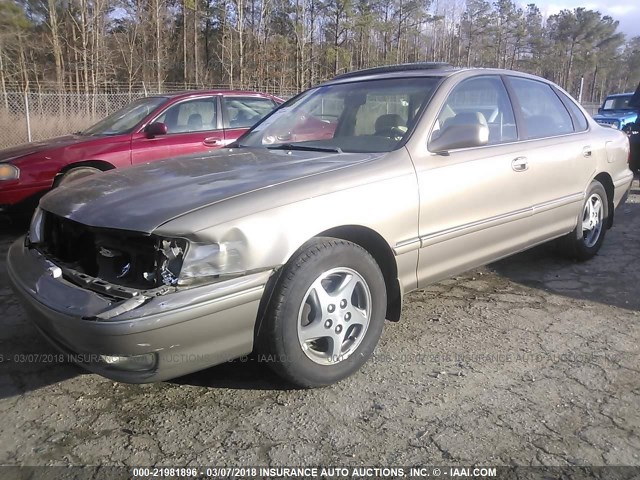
(531, 361)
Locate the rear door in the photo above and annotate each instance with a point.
(239, 113)
(559, 153)
(194, 125)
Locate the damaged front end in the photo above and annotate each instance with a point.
(133, 306)
(129, 268)
(115, 263)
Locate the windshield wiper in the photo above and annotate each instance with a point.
(307, 148)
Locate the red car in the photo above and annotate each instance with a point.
(146, 130)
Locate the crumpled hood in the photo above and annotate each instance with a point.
(144, 197)
(18, 151)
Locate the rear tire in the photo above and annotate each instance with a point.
(77, 173)
(326, 314)
(587, 238)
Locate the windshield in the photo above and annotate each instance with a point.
(124, 120)
(362, 116)
(617, 103)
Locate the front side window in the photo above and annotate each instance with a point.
(543, 113)
(361, 116)
(195, 115)
(483, 101)
(242, 112)
(125, 120)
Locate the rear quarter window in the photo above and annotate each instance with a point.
(579, 120)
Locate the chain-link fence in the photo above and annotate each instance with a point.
(34, 116)
(26, 117)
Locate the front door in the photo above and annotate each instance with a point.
(474, 202)
(193, 126)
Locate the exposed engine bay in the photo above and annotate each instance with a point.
(101, 258)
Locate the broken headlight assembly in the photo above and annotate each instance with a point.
(122, 262)
(169, 258)
(207, 262)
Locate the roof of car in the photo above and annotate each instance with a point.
(426, 69)
(431, 69)
(620, 94)
(403, 67)
(188, 93)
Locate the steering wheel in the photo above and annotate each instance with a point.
(394, 133)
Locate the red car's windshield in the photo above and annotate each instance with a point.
(125, 120)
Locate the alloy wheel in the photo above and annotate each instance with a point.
(334, 316)
(592, 220)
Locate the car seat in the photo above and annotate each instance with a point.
(390, 125)
(465, 118)
(195, 122)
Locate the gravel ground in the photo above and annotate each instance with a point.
(531, 361)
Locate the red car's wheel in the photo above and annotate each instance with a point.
(77, 173)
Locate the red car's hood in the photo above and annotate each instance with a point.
(144, 197)
(18, 151)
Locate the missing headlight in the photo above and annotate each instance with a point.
(170, 261)
(123, 258)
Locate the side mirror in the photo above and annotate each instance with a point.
(460, 136)
(154, 129)
(599, 110)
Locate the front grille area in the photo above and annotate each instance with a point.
(129, 259)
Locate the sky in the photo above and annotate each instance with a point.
(627, 12)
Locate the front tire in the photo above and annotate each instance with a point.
(587, 238)
(326, 315)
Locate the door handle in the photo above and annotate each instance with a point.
(520, 164)
(586, 152)
(212, 141)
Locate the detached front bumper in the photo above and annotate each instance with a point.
(185, 331)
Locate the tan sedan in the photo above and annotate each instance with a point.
(300, 239)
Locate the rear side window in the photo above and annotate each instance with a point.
(543, 113)
(243, 112)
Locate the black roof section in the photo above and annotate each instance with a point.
(397, 68)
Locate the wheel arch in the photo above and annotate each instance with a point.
(366, 238)
(99, 164)
(607, 182)
(381, 252)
